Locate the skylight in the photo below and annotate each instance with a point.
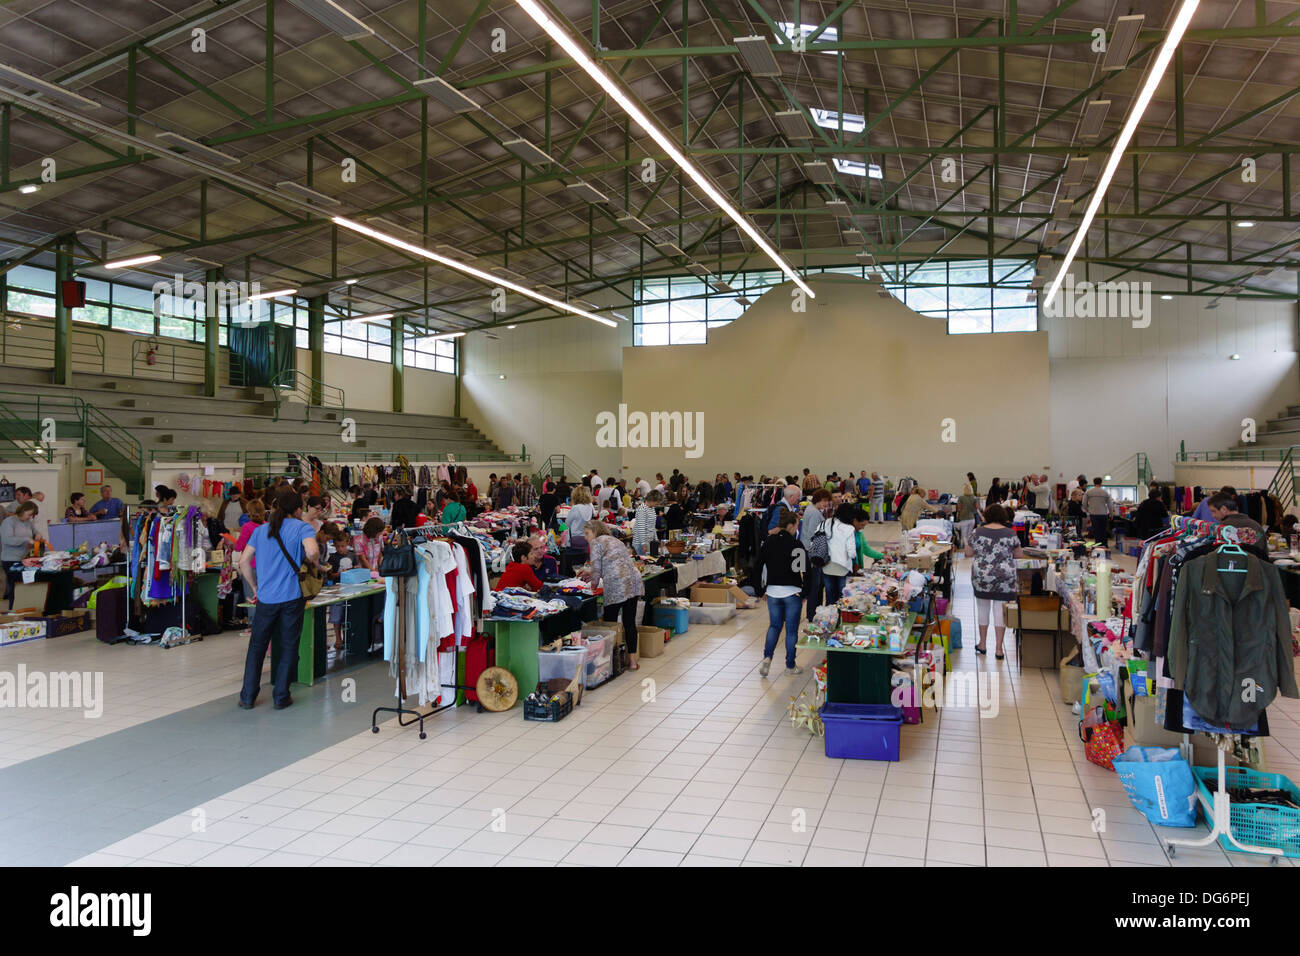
(830, 119)
(851, 167)
(829, 35)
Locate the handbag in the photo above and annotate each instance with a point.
(1102, 743)
(397, 560)
(819, 548)
(310, 579)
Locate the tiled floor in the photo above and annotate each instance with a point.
(690, 761)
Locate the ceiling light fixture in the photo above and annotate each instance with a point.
(670, 249)
(757, 56)
(1158, 68)
(792, 124)
(585, 190)
(52, 90)
(1166, 297)
(665, 142)
(306, 192)
(271, 295)
(1235, 357)
(1245, 224)
(350, 281)
(528, 152)
(377, 317)
(819, 173)
(838, 207)
(133, 261)
(467, 269)
(632, 224)
(1121, 42)
(197, 148)
(450, 335)
(1094, 116)
(29, 188)
(512, 326)
(744, 300)
(335, 17)
(446, 94)
(1075, 167)
(696, 269)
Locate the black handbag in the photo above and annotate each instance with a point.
(397, 560)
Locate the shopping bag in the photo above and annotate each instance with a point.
(1160, 785)
(1102, 743)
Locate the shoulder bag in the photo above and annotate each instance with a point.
(819, 548)
(398, 557)
(310, 579)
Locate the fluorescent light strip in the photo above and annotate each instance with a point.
(377, 317)
(133, 261)
(197, 148)
(335, 17)
(468, 270)
(271, 295)
(52, 90)
(1161, 64)
(665, 142)
(446, 94)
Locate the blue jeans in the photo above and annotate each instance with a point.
(834, 587)
(282, 621)
(782, 611)
(812, 590)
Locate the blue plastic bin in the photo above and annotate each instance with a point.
(676, 618)
(862, 731)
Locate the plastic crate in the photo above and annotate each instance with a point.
(554, 711)
(862, 731)
(1258, 824)
(675, 618)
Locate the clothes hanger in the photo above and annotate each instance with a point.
(1230, 546)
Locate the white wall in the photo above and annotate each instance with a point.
(558, 375)
(1117, 390)
(857, 381)
(168, 473)
(369, 385)
(47, 479)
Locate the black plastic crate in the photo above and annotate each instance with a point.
(552, 712)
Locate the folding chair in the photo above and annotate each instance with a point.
(1035, 603)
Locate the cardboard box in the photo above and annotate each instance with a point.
(714, 594)
(649, 641)
(1142, 727)
(920, 562)
(67, 622)
(1035, 620)
(1205, 754)
(15, 632)
(1036, 649)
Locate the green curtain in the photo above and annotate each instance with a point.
(265, 350)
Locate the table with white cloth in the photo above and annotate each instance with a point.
(695, 568)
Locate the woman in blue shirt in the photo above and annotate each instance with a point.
(280, 547)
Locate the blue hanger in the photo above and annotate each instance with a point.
(1230, 546)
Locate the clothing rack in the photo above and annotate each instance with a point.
(1219, 813)
(416, 536)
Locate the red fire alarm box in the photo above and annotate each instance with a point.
(73, 293)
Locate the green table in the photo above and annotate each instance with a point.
(518, 641)
(859, 675)
(363, 605)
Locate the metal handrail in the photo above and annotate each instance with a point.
(1235, 454)
(93, 426)
(167, 353)
(1283, 485)
(89, 352)
(293, 382)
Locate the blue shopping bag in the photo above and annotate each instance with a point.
(1160, 784)
(954, 635)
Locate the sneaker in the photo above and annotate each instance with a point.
(794, 671)
(288, 702)
(765, 666)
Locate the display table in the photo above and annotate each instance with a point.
(693, 569)
(518, 640)
(656, 581)
(363, 604)
(62, 585)
(859, 675)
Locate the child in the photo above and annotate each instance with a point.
(333, 542)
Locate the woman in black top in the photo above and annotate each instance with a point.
(404, 512)
(1151, 516)
(548, 502)
(997, 493)
(779, 573)
(675, 518)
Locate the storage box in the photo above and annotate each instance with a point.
(1035, 620)
(612, 630)
(567, 664)
(862, 731)
(712, 613)
(354, 576)
(1142, 726)
(1036, 649)
(67, 622)
(712, 594)
(919, 562)
(15, 632)
(675, 618)
(650, 641)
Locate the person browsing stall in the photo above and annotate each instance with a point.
(995, 548)
(614, 570)
(77, 512)
(779, 572)
(280, 547)
(520, 572)
(107, 506)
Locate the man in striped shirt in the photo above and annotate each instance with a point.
(877, 513)
(643, 525)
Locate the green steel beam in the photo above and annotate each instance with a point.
(397, 330)
(62, 317)
(316, 344)
(470, 23)
(211, 340)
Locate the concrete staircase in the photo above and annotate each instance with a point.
(1280, 432)
(168, 418)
